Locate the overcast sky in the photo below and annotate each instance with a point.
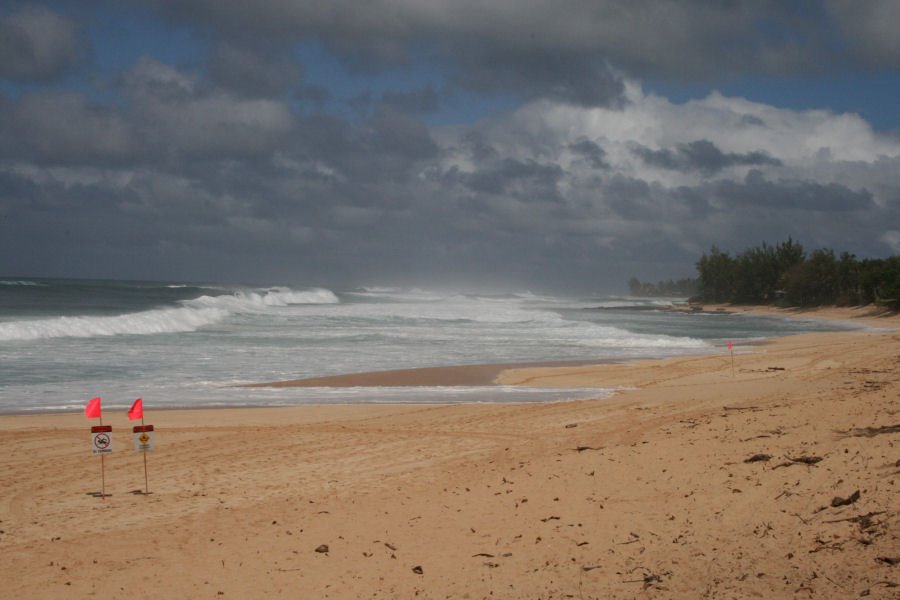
(531, 144)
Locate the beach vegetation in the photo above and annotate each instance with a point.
(670, 288)
(786, 275)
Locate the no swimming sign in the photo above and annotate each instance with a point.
(101, 439)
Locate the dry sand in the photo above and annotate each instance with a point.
(699, 483)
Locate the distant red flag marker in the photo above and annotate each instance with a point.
(93, 410)
(729, 345)
(137, 410)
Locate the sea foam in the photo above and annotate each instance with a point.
(21, 282)
(166, 320)
(190, 316)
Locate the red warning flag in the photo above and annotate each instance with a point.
(137, 410)
(92, 410)
(729, 345)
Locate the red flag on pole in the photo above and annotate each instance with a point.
(729, 345)
(92, 410)
(137, 410)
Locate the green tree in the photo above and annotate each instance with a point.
(784, 273)
(758, 275)
(716, 279)
(880, 281)
(848, 292)
(788, 255)
(814, 281)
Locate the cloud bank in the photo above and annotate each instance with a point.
(229, 166)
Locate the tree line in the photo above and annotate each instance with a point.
(787, 276)
(680, 288)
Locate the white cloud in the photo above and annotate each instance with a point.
(671, 179)
(808, 144)
(892, 239)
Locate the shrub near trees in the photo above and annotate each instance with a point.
(786, 275)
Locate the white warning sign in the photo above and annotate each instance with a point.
(143, 438)
(101, 439)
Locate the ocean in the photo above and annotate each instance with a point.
(63, 342)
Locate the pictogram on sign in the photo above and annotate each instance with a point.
(143, 438)
(101, 439)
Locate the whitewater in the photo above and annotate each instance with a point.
(63, 342)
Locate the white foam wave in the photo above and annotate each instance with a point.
(22, 282)
(375, 291)
(286, 296)
(636, 341)
(453, 308)
(191, 316)
(400, 294)
(633, 303)
(249, 301)
(167, 320)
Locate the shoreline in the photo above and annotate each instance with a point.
(869, 315)
(493, 373)
(446, 376)
(776, 479)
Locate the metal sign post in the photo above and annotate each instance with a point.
(101, 443)
(143, 443)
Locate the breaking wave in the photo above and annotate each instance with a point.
(21, 282)
(190, 316)
(166, 320)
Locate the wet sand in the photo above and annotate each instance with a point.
(464, 375)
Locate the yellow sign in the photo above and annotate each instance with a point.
(143, 438)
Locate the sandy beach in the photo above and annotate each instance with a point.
(775, 476)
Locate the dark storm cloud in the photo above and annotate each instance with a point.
(642, 202)
(703, 156)
(476, 144)
(534, 73)
(591, 152)
(558, 50)
(755, 191)
(387, 145)
(64, 128)
(526, 180)
(17, 191)
(253, 69)
(870, 29)
(420, 101)
(169, 116)
(500, 58)
(695, 201)
(37, 45)
(72, 202)
(393, 132)
(231, 165)
(630, 198)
